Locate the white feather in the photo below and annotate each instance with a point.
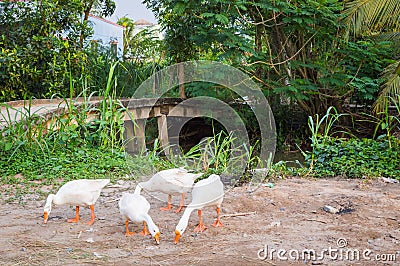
(205, 193)
(171, 181)
(135, 208)
(82, 192)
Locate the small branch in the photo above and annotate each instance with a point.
(113, 200)
(287, 60)
(390, 218)
(238, 214)
(313, 220)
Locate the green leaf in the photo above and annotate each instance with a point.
(179, 8)
(221, 18)
(298, 20)
(207, 15)
(8, 146)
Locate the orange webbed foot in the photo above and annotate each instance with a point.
(218, 223)
(92, 216)
(144, 233)
(169, 204)
(200, 228)
(76, 219)
(181, 203)
(129, 233)
(179, 209)
(165, 208)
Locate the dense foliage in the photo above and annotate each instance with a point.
(43, 46)
(297, 50)
(75, 163)
(70, 146)
(306, 55)
(356, 158)
(379, 20)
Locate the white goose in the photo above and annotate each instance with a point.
(135, 208)
(206, 192)
(82, 192)
(176, 181)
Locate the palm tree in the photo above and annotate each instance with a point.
(128, 32)
(378, 19)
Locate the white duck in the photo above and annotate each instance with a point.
(82, 192)
(135, 208)
(176, 181)
(206, 192)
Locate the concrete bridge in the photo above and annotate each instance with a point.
(136, 113)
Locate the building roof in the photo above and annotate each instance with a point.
(143, 22)
(106, 21)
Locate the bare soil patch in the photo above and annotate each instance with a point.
(289, 216)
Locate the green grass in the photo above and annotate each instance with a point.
(70, 164)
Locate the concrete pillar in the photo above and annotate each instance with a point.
(163, 133)
(134, 136)
(140, 136)
(175, 125)
(129, 136)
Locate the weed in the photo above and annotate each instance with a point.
(353, 157)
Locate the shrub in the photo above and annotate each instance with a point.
(357, 158)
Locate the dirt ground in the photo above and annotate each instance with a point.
(288, 217)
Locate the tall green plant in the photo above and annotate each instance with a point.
(388, 122)
(321, 127)
(218, 154)
(111, 114)
(320, 132)
(69, 127)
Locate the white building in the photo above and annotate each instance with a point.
(107, 33)
(154, 29)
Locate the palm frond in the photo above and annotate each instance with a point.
(372, 16)
(391, 88)
(389, 36)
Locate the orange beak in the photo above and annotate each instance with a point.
(46, 217)
(177, 236)
(157, 237)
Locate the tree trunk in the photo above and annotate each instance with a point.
(85, 19)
